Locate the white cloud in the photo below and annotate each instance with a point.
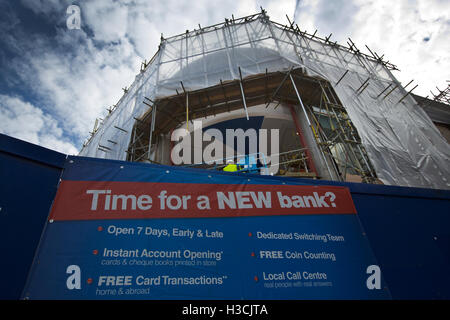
(77, 76)
(401, 34)
(24, 121)
(77, 86)
(107, 19)
(397, 29)
(328, 17)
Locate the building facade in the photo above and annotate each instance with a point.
(338, 114)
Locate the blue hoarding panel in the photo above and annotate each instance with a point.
(185, 261)
(407, 228)
(410, 237)
(97, 246)
(29, 176)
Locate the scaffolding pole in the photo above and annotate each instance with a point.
(152, 128)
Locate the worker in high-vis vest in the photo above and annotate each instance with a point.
(230, 167)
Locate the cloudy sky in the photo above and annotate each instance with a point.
(55, 81)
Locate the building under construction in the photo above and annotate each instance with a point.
(341, 115)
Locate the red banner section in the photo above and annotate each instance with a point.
(90, 200)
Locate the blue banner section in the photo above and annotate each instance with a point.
(90, 169)
(309, 256)
(287, 257)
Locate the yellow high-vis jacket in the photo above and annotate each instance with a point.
(231, 168)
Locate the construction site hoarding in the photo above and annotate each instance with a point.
(133, 231)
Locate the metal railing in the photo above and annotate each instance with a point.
(258, 160)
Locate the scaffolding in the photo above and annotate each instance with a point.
(364, 121)
(442, 95)
(333, 131)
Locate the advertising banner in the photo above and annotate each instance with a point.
(120, 230)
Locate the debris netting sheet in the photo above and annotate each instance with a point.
(403, 144)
